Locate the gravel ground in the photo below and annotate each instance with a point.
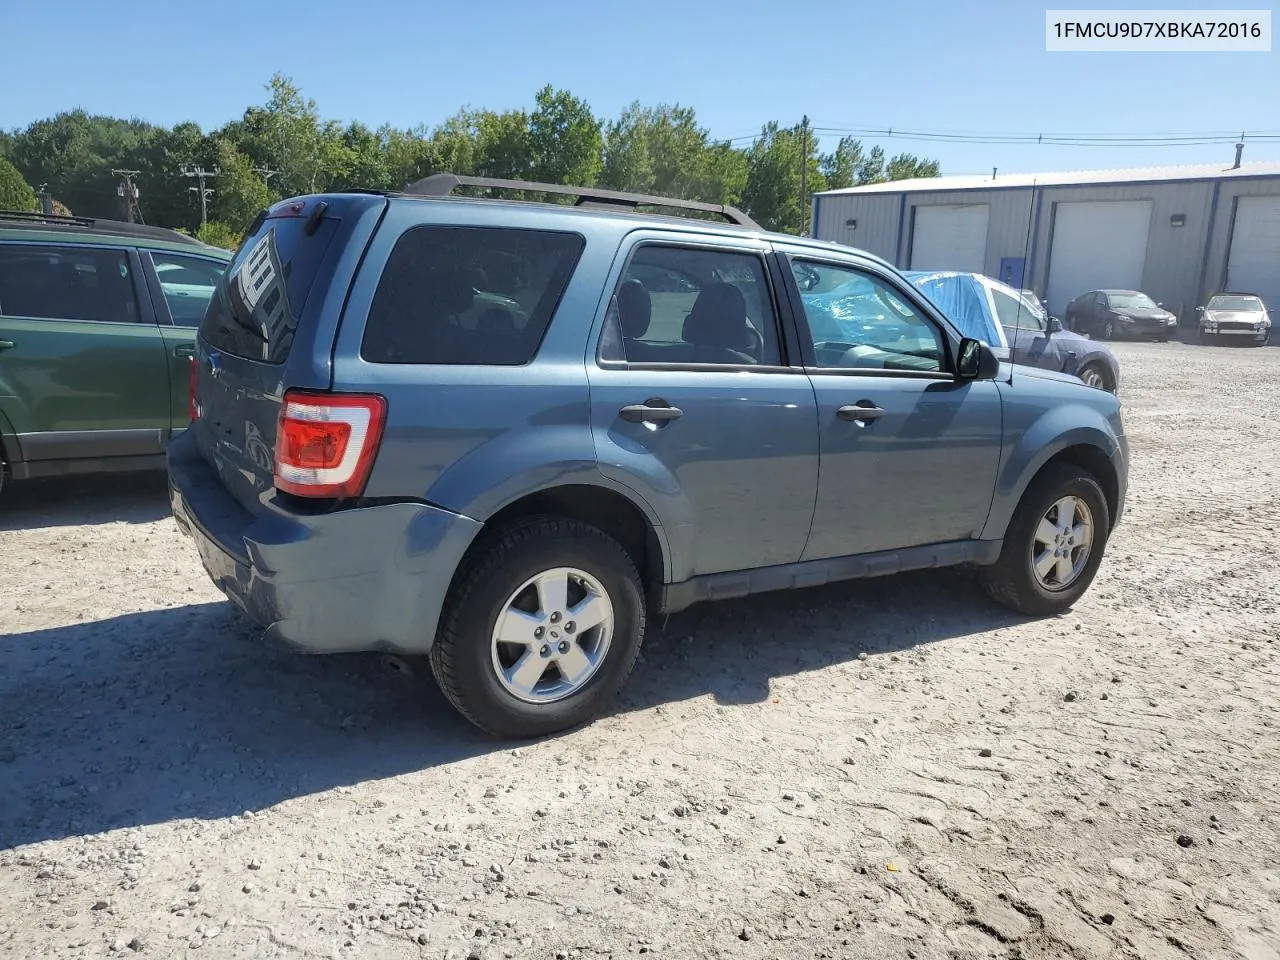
(892, 768)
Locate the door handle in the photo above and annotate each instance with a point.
(862, 412)
(184, 351)
(652, 411)
(6, 345)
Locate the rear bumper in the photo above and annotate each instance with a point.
(367, 578)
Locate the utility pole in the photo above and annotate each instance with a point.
(266, 173)
(200, 173)
(127, 191)
(46, 200)
(804, 176)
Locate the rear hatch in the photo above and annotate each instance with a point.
(270, 326)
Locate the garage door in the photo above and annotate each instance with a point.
(1097, 246)
(1254, 264)
(950, 238)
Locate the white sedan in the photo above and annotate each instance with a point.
(1235, 316)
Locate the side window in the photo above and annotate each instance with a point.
(857, 320)
(188, 284)
(468, 295)
(1100, 301)
(1012, 312)
(67, 283)
(692, 305)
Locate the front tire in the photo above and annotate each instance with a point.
(1097, 376)
(1053, 545)
(541, 629)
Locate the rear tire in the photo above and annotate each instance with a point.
(1013, 579)
(478, 672)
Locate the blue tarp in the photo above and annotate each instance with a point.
(963, 301)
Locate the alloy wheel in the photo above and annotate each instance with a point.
(552, 635)
(1062, 543)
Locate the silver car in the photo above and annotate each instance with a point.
(1241, 317)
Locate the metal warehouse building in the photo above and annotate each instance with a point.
(1177, 233)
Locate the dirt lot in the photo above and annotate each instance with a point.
(886, 769)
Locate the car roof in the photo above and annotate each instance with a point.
(650, 220)
(1136, 293)
(19, 225)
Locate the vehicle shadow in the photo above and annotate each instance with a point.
(67, 501)
(186, 712)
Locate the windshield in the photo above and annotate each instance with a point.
(1033, 304)
(1139, 301)
(1251, 304)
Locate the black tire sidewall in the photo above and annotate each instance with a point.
(1102, 374)
(1060, 483)
(505, 566)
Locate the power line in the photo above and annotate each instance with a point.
(127, 191)
(1076, 140)
(1036, 139)
(200, 173)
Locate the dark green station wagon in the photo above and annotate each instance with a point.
(97, 323)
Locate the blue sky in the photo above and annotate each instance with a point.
(942, 66)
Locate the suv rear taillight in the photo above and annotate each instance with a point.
(326, 442)
(193, 408)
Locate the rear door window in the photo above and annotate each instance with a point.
(67, 283)
(468, 295)
(188, 284)
(255, 309)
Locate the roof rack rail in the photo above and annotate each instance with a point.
(34, 217)
(443, 184)
(97, 225)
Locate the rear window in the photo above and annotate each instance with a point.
(255, 308)
(468, 295)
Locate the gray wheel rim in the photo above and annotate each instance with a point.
(1092, 376)
(552, 635)
(1062, 543)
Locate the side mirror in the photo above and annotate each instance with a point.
(975, 361)
(1053, 325)
(1199, 309)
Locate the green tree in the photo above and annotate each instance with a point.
(628, 164)
(453, 145)
(239, 191)
(840, 167)
(218, 234)
(565, 141)
(724, 175)
(15, 193)
(773, 191)
(284, 134)
(503, 144)
(906, 166)
(74, 153)
(663, 150)
(409, 156)
(162, 157)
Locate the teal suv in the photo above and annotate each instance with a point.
(507, 434)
